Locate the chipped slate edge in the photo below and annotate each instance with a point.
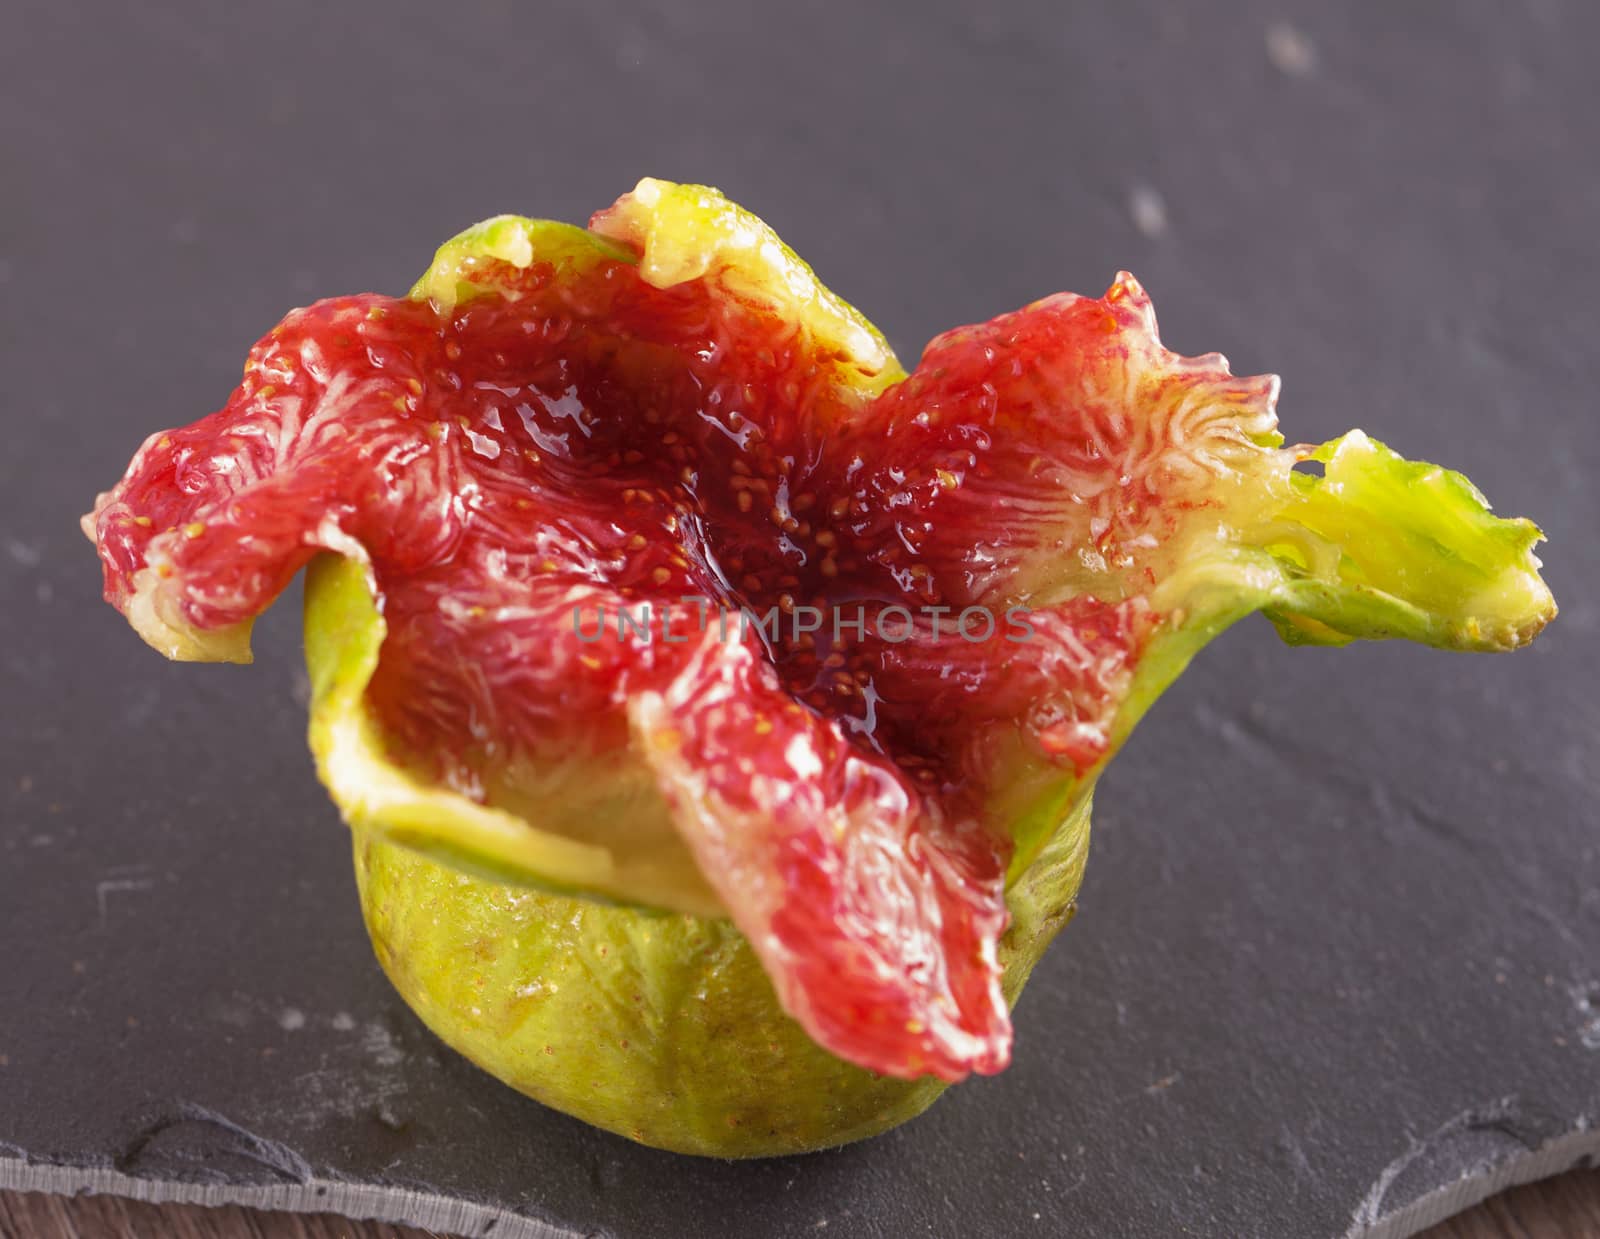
(361, 1201)
(432, 1211)
(1571, 1151)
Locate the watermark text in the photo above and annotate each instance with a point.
(694, 615)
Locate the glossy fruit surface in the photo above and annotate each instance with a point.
(649, 577)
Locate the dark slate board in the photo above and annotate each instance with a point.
(1337, 968)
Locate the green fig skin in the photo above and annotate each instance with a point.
(658, 1026)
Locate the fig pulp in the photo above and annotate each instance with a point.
(648, 579)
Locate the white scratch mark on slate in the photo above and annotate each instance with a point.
(106, 887)
(1291, 52)
(24, 553)
(380, 1043)
(1586, 998)
(1148, 210)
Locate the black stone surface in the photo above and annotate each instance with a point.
(1338, 946)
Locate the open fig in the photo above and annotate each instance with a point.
(717, 707)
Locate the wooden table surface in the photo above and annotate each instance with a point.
(1565, 1207)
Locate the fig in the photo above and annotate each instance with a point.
(717, 707)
